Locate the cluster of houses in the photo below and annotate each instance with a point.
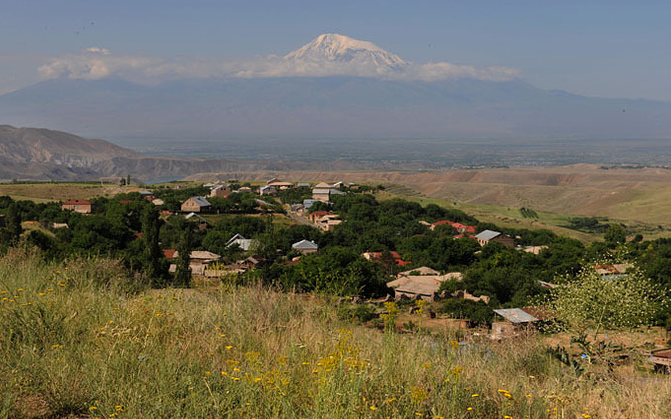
(210, 265)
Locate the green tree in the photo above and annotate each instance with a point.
(615, 235)
(14, 222)
(589, 303)
(154, 263)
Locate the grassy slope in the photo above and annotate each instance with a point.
(637, 197)
(502, 216)
(45, 192)
(75, 344)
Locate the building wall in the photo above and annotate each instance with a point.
(190, 206)
(82, 209)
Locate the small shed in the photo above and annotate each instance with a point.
(661, 359)
(515, 322)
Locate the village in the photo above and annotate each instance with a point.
(311, 204)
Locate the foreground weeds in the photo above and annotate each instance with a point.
(81, 339)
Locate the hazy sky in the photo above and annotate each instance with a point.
(597, 48)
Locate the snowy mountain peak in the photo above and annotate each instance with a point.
(333, 47)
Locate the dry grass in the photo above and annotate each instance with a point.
(80, 342)
(46, 192)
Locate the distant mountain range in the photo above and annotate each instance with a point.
(42, 154)
(365, 92)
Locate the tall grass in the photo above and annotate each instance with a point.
(81, 339)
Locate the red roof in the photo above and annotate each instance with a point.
(470, 229)
(376, 256)
(169, 253)
(78, 202)
(125, 201)
(443, 222)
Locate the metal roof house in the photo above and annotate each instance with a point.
(243, 243)
(305, 246)
(196, 204)
(488, 236)
(516, 322)
(516, 315)
(307, 203)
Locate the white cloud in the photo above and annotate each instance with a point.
(97, 63)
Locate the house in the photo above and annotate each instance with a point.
(305, 246)
(329, 222)
(516, 321)
(421, 283)
(267, 190)
(220, 191)
(377, 257)
(325, 220)
(196, 204)
(243, 243)
(325, 194)
(303, 185)
(199, 261)
(158, 202)
(489, 236)
(81, 206)
(316, 215)
(250, 263)
(307, 203)
(461, 228)
(324, 185)
(202, 222)
(533, 249)
(334, 192)
(321, 194)
(200, 256)
(613, 271)
(169, 253)
(245, 189)
(59, 225)
(278, 184)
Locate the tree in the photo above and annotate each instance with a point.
(14, 222)
(154, 266)
(183, 272)
(591, 303)
(615, 235)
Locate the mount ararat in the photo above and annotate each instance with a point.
(333, 87)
